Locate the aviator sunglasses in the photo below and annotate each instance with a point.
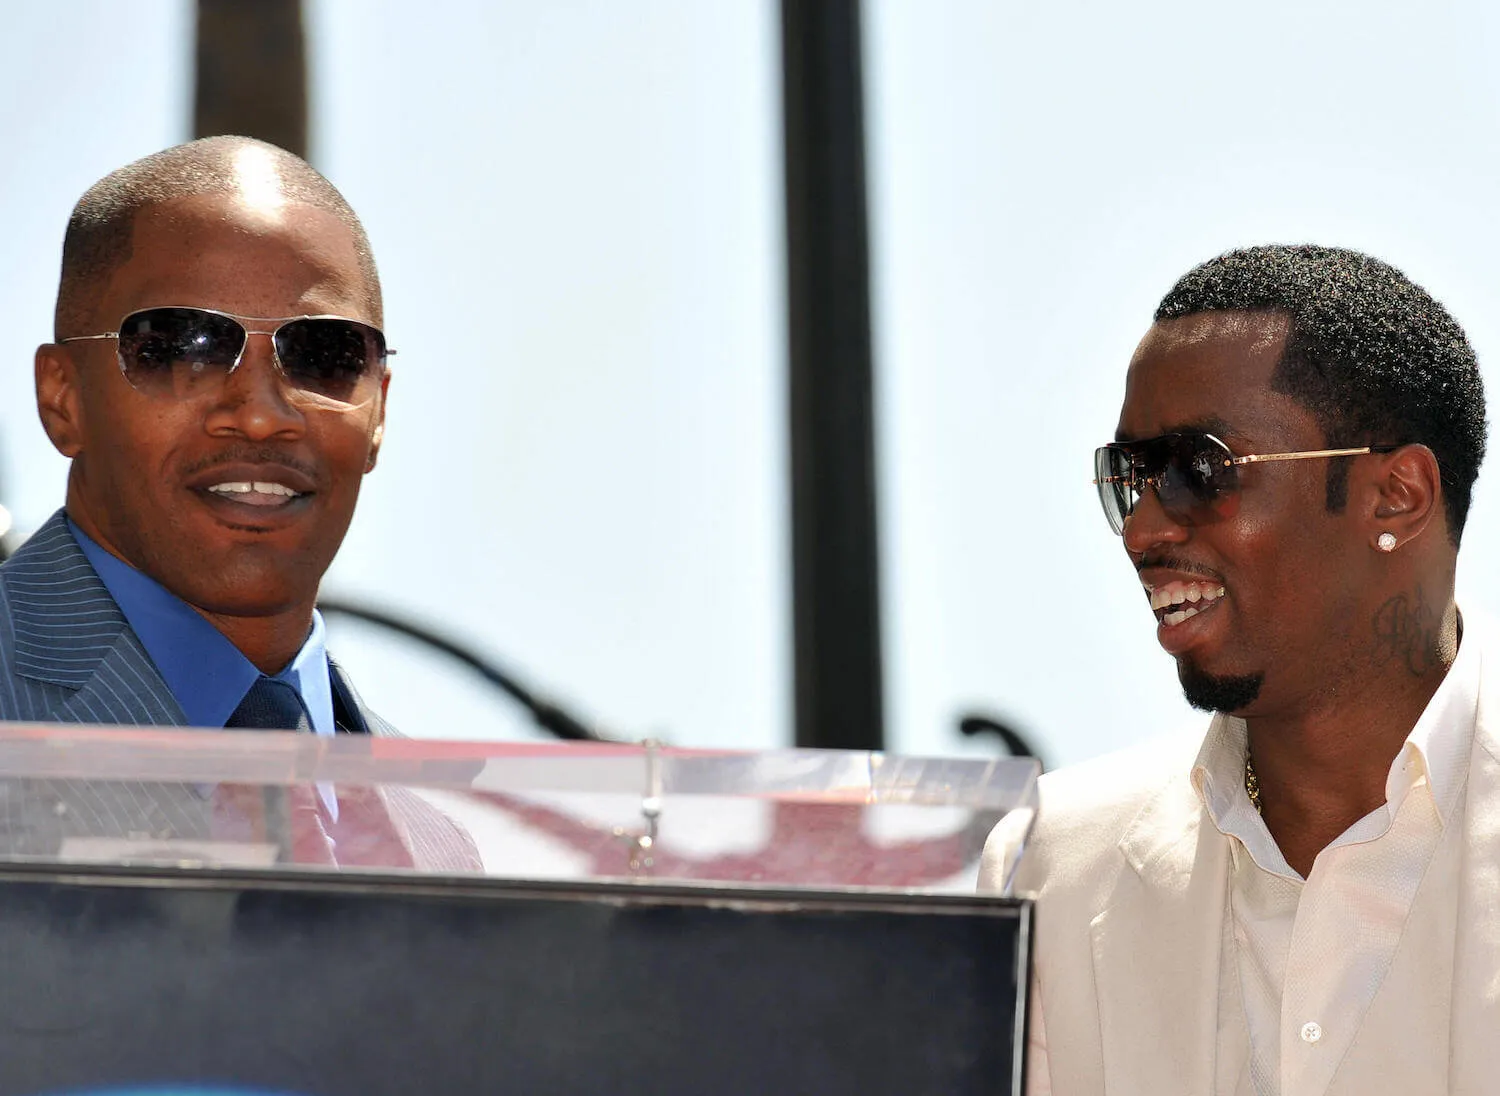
(182, 353)
(1195, 476)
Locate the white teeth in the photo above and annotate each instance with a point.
(1172, 619)
(1180, 595)
(258, 487)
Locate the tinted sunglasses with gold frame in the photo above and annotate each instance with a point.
(1195, 475)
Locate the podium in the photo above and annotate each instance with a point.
(195, 912)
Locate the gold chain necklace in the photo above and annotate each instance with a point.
(1252, 784)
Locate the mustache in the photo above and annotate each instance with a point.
(252, 454)
(1177, 563)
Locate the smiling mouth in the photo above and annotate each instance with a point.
(256, 492)
(1177, 602)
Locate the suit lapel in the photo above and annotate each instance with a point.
(350, 716)
(124, 688)
(1411, 1007)
(432, 841)
(1156, 950)
(1441, 996)
(69, 632)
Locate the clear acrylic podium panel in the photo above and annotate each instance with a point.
(210, 912)
(795, 818)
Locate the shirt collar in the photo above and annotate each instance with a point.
(1438, 746)
(207, 674)
(1437, 749)
(1219, 775)
(308, 673)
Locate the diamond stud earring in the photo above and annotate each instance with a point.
(1386, 542)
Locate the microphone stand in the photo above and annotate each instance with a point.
(551, 717)
(978, 723)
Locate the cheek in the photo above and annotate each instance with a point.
(133, 446)
(1303, 586)
(1265, 588)
(346, 447)
(1262, 546)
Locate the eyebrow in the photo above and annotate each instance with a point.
(1210, 424)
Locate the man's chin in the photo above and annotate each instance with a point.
(239, 588)
(230, 603)
(1208, 692)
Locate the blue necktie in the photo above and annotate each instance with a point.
(288, 815)
(270, 706)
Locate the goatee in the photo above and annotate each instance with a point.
(1213, 693)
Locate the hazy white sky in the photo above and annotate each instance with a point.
(576, 208)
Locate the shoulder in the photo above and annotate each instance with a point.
(1115, 783)
(50, 549)
(57, 623)
(52, 590)
(1085, 810)
(1483, 631)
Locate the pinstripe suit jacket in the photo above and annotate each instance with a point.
(67, 655)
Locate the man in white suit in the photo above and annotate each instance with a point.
(1307, 899)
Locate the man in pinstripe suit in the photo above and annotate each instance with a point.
(217, 379)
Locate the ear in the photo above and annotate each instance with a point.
(58, 400)
(1404, 496)
(377, 435)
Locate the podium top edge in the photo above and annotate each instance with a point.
(176, 755)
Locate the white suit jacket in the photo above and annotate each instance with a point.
(1132, 878)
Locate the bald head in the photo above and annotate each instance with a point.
(99, 232)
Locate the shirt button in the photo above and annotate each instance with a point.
(1311, 1032)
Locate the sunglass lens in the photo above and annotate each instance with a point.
(1190, 474)
(330, 357)
(1196, 483)
(174, 351)
(1113, 474)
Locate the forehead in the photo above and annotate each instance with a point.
(1210, 372)
(233, 253)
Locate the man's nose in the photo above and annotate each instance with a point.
(254, 402)
(1150, 525)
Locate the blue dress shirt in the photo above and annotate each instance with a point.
(207, 674)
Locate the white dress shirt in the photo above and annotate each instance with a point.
(1306, 956)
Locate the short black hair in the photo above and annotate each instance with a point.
(1370, 353)
(99, 234)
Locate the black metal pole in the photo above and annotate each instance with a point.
(835, 564)
(251, 72)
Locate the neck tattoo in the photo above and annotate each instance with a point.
(1252, 784)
